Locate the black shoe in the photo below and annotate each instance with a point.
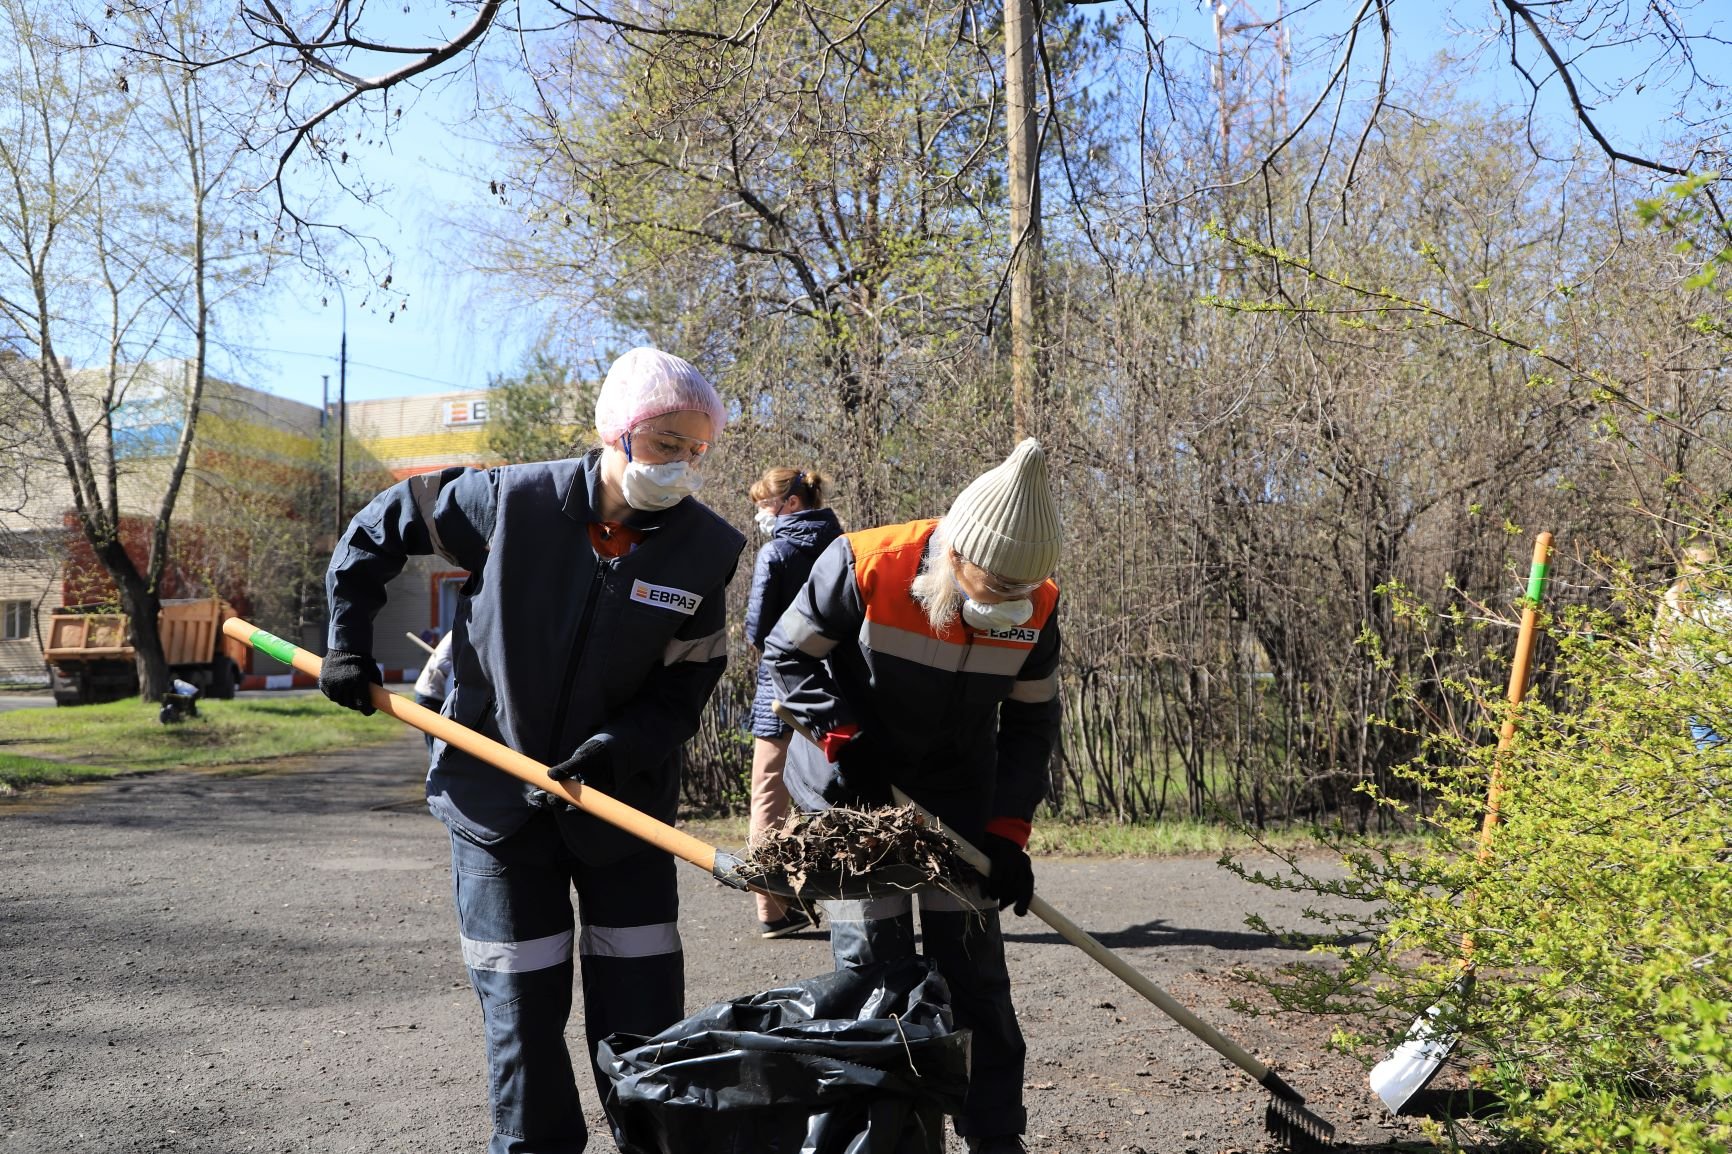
(792, 922)
(998, 1144)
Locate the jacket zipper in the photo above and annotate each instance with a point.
(597, 575)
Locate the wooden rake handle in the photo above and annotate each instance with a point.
(722, 866)
(1538, 572)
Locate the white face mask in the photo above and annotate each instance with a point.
(766, 521)
(654, 487)
(1004, 615)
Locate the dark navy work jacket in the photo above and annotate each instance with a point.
(554, 643)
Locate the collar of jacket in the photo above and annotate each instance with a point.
(585, 494)
(805, 526)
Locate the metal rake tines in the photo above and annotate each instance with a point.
(1287, 1118)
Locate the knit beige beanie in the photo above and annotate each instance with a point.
(1006, 521)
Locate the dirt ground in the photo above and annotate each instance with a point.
(268, 962)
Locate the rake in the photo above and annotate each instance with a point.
(1286, 1116)
(727, 868)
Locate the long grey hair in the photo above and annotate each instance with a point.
(935, 588)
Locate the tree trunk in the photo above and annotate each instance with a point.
(1022, 129)
(139, 601)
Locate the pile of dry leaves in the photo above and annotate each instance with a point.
(852, 853)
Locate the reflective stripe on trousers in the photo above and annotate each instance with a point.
(960, 932)
(516, 930)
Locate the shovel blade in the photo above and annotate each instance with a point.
(1427, 1044)
(1414, 1063)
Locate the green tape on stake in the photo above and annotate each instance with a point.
(1537, 581)
(273, 646)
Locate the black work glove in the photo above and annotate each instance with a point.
(593, 761)
(862, 772)
(346, 678)
(1012, 877)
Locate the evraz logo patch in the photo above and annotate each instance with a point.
(665, 597)
(1016, 633)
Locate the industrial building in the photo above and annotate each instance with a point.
(255, 520)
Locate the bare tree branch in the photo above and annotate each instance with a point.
(358, 86)
(1523, 11)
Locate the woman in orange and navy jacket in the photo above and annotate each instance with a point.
(925, 655)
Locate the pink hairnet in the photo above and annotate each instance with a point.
(646, 383)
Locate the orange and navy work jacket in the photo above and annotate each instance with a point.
(965, 720)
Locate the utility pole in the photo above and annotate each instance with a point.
(342, 409)
(342, 419)
(1022, 129)
(1252, 68)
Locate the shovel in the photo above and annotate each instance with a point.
(725, 867)
(1416, 1061)
(1286, 1116)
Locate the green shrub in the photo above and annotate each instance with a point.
(1601, 919)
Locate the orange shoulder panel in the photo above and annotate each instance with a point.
(1045, 601)
(887, 560)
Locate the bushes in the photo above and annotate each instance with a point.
(1601, 924)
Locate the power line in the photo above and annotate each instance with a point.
(352, 361)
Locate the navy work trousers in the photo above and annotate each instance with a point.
(514, 913)
(960, 933)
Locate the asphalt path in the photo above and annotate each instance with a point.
(266, 960)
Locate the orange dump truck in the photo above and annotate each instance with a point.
(90, 660)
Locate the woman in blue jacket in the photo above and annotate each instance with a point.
(791, 511)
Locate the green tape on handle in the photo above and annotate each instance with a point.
(1536, 581)
(273, 646)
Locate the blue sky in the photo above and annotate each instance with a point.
(434, 344)
(448, 336)
(448, 339)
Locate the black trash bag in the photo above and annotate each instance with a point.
(862, 1061)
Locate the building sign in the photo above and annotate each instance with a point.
(465, 412)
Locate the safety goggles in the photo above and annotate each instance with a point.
(654, 447)
(997, 586)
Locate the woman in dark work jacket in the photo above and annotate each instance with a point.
(589, 635)
(791, 512)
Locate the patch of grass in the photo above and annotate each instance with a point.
(17, 770)
(1150, 839)
(726, 831)
(1069, 838)
(94, 741)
